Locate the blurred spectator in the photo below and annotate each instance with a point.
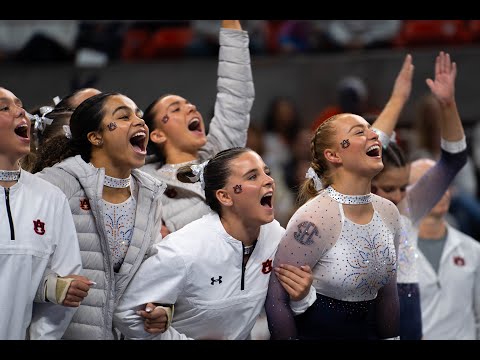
(38, 40)
(352, 97)
(449, 272)
(464, 207)
(361, 34)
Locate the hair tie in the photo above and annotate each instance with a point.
(311, 174)
(198, 170)
(67, 131)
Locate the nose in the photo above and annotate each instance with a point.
(373, 134)
(192, 108)
(269, 180)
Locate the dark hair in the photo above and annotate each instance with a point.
(149, 118)
(215, 174)
(393, 157)
(87, 117)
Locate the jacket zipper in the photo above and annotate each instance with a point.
(10, 220)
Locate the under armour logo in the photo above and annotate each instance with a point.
(84, 204)
(219, 280)
(267, 266)
(39, 227)
(305, 233)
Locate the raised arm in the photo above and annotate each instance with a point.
(428, 190)
(235, 91)
(388, 118)
(443, 88)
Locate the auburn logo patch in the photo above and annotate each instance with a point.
(39, 227)
(85, 204)
(267, 266)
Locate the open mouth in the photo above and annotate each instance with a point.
(194, 125)
(266, 200)
(138, 142)
(373, 151)
(22, 130)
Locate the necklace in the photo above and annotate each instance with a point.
(349, 199)
(247, 250)
(9, 175)
(116, 182)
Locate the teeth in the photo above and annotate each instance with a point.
(373, 147)
(139, 134)
(22, 125)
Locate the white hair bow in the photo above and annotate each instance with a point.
(311, 174)
(41, 122)
(197, 170)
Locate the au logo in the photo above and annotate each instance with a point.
(39, 227)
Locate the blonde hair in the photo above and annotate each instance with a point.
(321, 140)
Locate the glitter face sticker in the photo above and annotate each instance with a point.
(112, 126)
(237, 189)
(165, 119)
(345, 143)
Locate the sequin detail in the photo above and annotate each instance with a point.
(349, 199)
(9, 175)
(119, 223)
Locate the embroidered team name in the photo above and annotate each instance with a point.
(267, 266)
(39, 227)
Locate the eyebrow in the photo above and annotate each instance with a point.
(361, 126)
(16, 101)
(122, 108)
(255, 171)
(177, 103)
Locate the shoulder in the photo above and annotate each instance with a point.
(147, 179)
(42, 186)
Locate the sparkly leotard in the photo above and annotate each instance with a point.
(350, 264)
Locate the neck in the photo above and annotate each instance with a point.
(119, 172)
(349, 185)
(432, 228)
(9, 164)
(180, 157)
(247, 234)
(9, 173)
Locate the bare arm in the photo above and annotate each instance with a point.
(443, 88)
(388, 118)
(232, 24)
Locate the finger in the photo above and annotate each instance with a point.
(71, 303)
(77, 292)
(294, 283)
(307, 269)
(287, 268)
(79, 285)
(154, 330)
(430, 83)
